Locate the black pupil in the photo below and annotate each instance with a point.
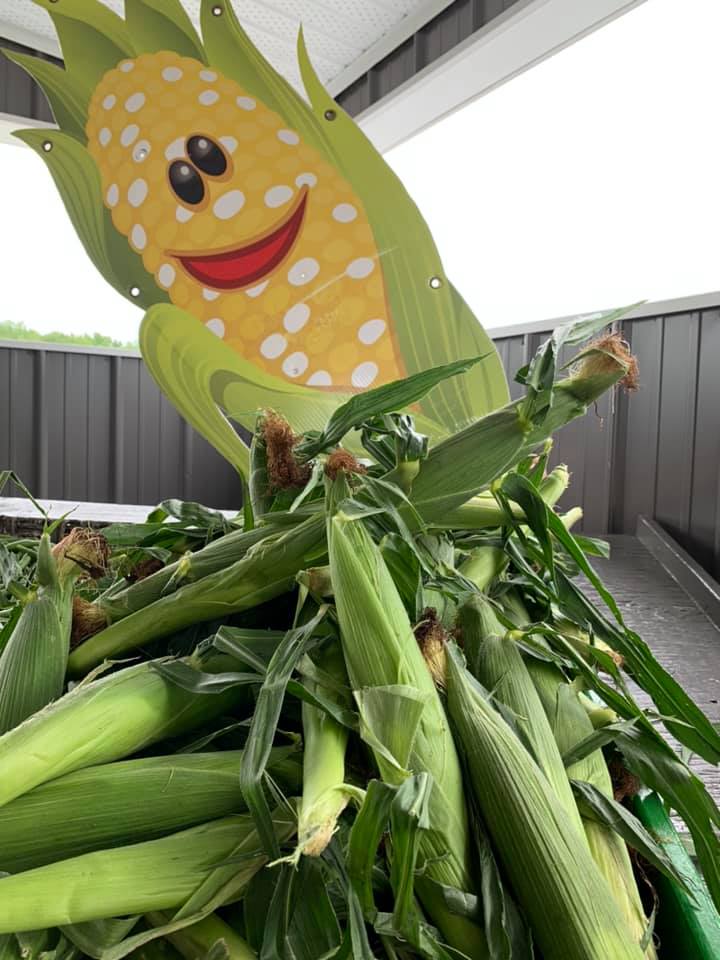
(186, 182)
(207, 156)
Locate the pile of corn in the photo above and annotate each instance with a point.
(373, 716)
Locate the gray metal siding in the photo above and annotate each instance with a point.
(21, 96)
(93, 426)
(655, 451)
(440, 35)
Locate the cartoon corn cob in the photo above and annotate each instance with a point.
(246, 226)
(281, 262)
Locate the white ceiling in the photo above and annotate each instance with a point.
(344, 37)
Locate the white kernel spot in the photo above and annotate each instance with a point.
(371, 331)
(138, 237)
(127, 65)
(344, 213)
(321, 378)
(364, 374)
(208, 97)
(141, 151)
(273, 346)
(246, 103)
(135, 102)
(105, 136)
(230, 144)
(306, 180)
(295, 364)
(137, 193)
(210, 295)
(360, 268)
(176, 149)
(129, 135)
(172, 74)
(216, 326)
(256, 291)
(289, 137)
(209, 76)
(229, 204)
(113, 195)
(166, 276)
(109, 101)
(277, 196)
(183, 215)
(296, 317)
(303, 271)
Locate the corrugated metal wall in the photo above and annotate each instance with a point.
(445, 31)
(19, 95)
(656, 451)
(92, 425)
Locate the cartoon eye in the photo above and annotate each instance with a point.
(207, 156)
(186, 182)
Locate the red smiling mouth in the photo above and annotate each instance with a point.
(246, 265)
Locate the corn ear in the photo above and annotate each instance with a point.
(559, 888)
(141, 878)
(121, 803)
(571, 725)
(402, 713)
(324, 794)
(199, 939)
(218, 555)
(34, 661)
(497, 663)
(267, 571)
(125, 712)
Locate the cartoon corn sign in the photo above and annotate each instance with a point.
(281, 262)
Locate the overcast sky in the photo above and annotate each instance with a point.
(590, 181)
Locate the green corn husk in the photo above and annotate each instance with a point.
(141, 878)
(467, 462)
(571, 725)
(324, 795)
(120, 803)
(266, 572)
(34, 661)
(101, 721)
(484, 510)
(497, 663)
(483, 565)
(390, 679)
(559, 888)
(218, 555)
(199, 939)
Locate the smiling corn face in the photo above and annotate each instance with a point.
(243, 224)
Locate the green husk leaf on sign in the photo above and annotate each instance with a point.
(78, 183)
(67, 97)
(93, 38)
(162, 25)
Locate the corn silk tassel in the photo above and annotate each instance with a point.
(402, 718)
(558, 886)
